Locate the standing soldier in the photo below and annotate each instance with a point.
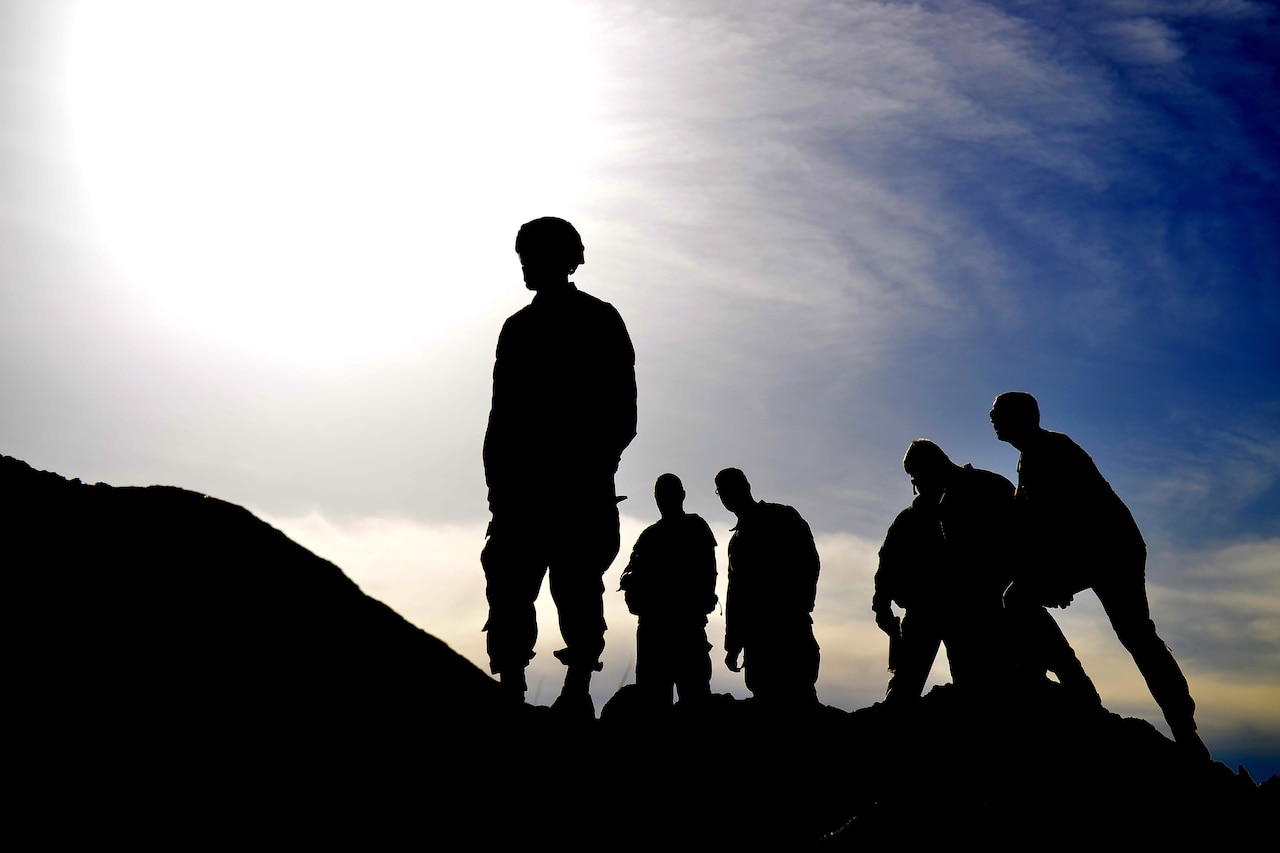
(912, 575)
(773, 582)
(564, 409)
(670, 583)
(1079, 534)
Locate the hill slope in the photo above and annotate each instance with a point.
(185, 671)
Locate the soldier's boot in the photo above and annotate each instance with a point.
(1188, 739)
(513, 684)
(1079, 685)
(575, 696)
(1063, 663)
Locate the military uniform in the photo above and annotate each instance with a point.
(773, 583)
(670, 583)
(1079, 534)
(947, 563)
(564, 409)
(911, 573)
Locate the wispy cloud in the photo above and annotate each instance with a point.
(1208, 473)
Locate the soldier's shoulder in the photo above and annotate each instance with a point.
(902, 524)
(518, 320)
(650, 533)
(905, 516)
(587, 303)
(699, 525)
(783, 513)
(588, 298)
(1060, 450)
(989, 479)
(652, 529)
(1059, 441)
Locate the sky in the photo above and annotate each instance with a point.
(262, 250)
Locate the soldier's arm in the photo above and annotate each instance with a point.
(809, 562)
(882, 598)
(621, 385)
(732, 630)
(889, 572)
(707, 566)
(633, 576)
(500, 438)
(882, 607)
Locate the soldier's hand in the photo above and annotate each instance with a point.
(731, 661)
(890, 624)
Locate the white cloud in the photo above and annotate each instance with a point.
(1221, 606)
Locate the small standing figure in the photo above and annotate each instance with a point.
(912, 574)
(773, 583)
(1078, 534)
(670, 583)
(564, 409)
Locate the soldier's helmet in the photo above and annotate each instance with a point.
(923, 457)
(550, 237)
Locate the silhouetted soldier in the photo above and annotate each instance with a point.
(564, 409)
(670, 583)
(912, 574)
(773, 582)
(1079, 534)
(962, 523)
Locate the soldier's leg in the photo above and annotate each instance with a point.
(969, 631)
(811, 655)
(692, 660)
(1047, 642)
(1035, 644)
(1124, 598)
(759, 671)
(583, 553)
(513, 569)
(654, 666)
(782, 668)
(914, 653)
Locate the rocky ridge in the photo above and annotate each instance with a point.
(185, 671)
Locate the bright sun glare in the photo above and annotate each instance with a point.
(323, 182)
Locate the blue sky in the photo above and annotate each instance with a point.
(263, 250)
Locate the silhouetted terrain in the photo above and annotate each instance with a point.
(184, 672)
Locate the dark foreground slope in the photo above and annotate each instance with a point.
(182, 671)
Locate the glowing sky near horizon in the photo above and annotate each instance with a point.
(263, 250)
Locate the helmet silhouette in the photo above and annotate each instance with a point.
(551, 238)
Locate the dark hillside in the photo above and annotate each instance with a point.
(183, 671)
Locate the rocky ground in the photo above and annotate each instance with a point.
(184, 672)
